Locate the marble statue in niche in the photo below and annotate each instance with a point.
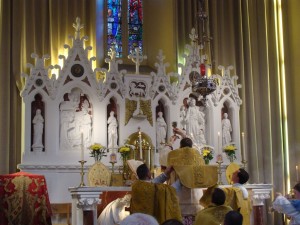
(182, 114)
(86, 123)
(112, 131)
(38, 130)
(161, 129)
(226, 130)
(195, 123)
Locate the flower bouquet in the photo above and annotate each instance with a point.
(97, 151)
(230, 152)
(125, 152)
(207, 154)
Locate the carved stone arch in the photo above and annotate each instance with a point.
(228, 107)
(163, 106)
(160, 108)
(113, 106)
(37, 103)
(147, 145)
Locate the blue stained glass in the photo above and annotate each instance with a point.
(135, 25)
(114, 26)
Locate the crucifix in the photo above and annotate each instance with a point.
(137, 58)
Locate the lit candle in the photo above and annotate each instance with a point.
(297, 174)
(219, 142)
(208, 72)
(149, 156)
(140, 140)
(243, 146)
(82, 151)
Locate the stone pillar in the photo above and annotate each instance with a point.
(258, 197)
(84, 203)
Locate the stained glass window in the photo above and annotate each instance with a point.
(135, 25)
(133, 29)
(114, 25)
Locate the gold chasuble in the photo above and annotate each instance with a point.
(213, 215)
(190, 168)
(158, 200)
(235, 199)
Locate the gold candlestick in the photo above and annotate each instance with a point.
(219, 162)
(112, 167)
(82, 162)
(244, 162)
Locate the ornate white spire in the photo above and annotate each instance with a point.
(137, 58)
(78, 26)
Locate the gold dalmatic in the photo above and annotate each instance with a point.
(190, 168)
(158, 200)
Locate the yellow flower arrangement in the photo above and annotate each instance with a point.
(230, 147)
(97, 151)
(230, 152)
(207, 154)
(125, 151)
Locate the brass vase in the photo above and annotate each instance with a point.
(125, 172)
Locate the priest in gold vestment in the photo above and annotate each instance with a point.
(154, 198)
(193, 175)
(236, 196)
(215, 212)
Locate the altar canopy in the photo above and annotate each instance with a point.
(24, 199)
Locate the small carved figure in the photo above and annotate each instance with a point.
(195, 123)
(86, 123)
(226, 130)
(161, 129)
(112, 130)
(183, 111)
(38, 129)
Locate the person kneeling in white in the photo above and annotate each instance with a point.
(139, 219)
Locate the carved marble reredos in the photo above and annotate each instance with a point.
(54, 81)
(121, 86)
(114, 79)
(227, 87)
(118, 84)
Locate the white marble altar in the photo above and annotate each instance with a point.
(87, 198)
(76, 100)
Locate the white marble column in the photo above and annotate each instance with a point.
(87, 199)
(258, 197)
(84, 199)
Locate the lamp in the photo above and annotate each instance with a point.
(202, 83)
